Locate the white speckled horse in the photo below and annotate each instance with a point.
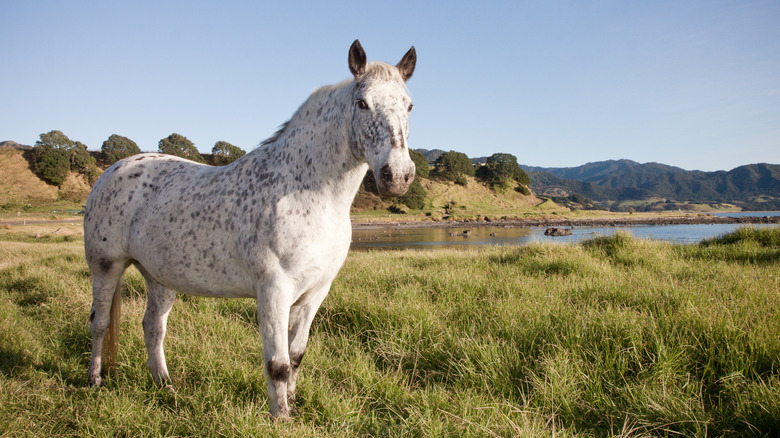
(273, 225)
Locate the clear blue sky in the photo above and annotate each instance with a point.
(694, 84)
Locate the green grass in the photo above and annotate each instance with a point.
(613, 337)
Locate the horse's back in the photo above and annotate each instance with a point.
(132, 185)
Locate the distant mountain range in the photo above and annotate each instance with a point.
(620, 180)
(754, 186)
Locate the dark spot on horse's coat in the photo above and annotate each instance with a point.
(296, 358)
(104, 239)
(92, 316)
(278, 371)
(105, 265)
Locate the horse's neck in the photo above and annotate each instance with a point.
(313, 155)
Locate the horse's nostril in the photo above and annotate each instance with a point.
(406, 178)
(387, 174)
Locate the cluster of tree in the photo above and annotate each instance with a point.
(223, 152)
(500, 171)
(54, 155)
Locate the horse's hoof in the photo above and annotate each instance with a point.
(169, 389)
(281, 418)
(95, 382)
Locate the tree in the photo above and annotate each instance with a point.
(454, 166)
(55, 139)
(54, 154)
(118, 147)
(500, 170)
(49, 163)
(423, 168)
(226, 153)
(180, 146)
(80, 159)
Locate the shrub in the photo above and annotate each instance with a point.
(414, 197)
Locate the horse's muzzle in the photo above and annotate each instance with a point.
(394, 182)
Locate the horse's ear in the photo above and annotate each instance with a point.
(407, 63)
(357, 59)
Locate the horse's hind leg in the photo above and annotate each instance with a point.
(106, 281)
(159, 300)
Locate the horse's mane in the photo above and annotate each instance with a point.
(276, 135)
(375, 69)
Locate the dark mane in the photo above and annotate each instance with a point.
(276, 135)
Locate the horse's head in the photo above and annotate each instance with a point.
(380, 119)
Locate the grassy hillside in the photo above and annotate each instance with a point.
(18, 184)
(20, 187)
(612, 337)
(475, 200)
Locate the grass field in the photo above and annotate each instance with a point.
(612, 337)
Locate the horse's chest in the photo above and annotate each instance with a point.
(314, 251)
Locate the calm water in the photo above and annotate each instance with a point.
(435, 238)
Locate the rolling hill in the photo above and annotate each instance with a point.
(609, 183)
(622, 180)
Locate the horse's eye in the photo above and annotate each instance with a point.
(362, 104)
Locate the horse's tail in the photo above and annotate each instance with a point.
(111, 342)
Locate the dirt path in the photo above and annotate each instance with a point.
(40, 222)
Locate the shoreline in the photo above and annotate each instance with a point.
(568, 222)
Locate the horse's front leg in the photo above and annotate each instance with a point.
(301, 316)
(273, 314)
